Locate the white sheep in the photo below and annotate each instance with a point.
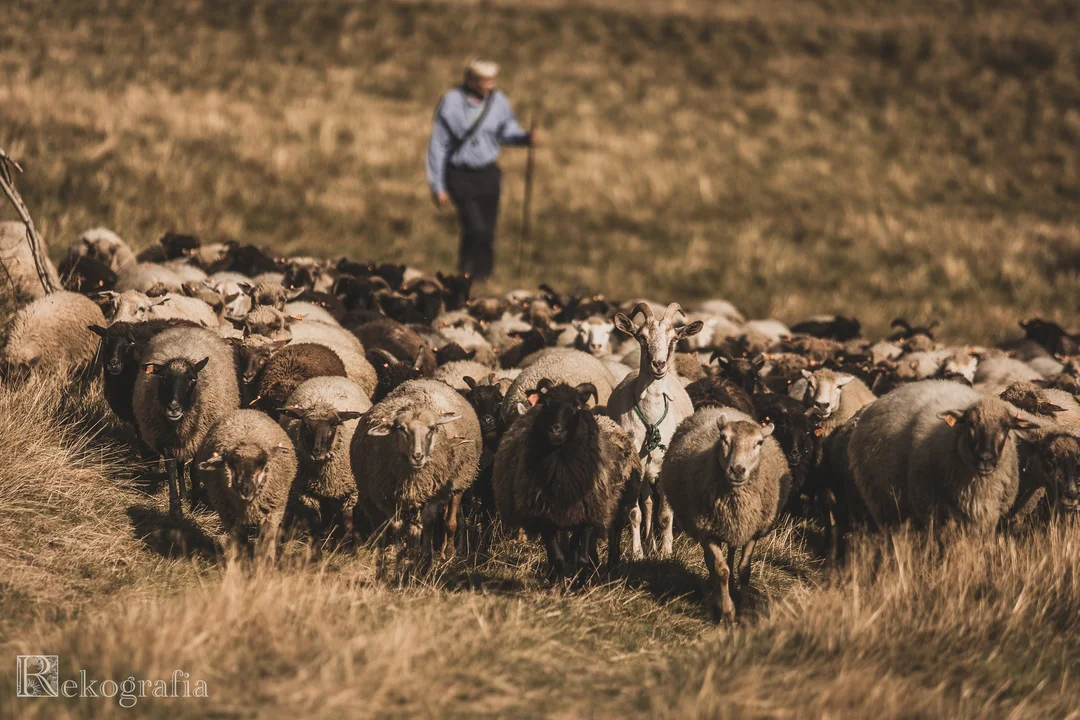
(52, 333)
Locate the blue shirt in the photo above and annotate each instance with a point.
(453, 116)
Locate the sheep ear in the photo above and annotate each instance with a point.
(844, 380)
(721, 420)
(951, 417)
(245, 286)
(448, 417)
(347, 415)
(201, 364)
(159, 301)
(543, 386)
(296, 413)
(380, 430)
(280, 449)
(521, 409)
(294, 293)
(278, 344)
(1020, 423)
(585, 391)
(231, 296)
(767, 430)
(151, 368)
(624, 324)
(692, 329)
(469, 381)
(806, 373)
(213, 462)
(97, 330)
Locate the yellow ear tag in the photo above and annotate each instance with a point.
(950, 420)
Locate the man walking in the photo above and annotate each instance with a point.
(471, 123)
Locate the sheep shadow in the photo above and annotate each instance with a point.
(171, 538)
(667, 581)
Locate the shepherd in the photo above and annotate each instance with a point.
(471, 123)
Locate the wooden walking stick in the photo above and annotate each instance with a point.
(7, 184)
(526, 205)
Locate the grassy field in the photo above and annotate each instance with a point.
(875, 158)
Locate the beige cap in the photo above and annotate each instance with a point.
(481, 68)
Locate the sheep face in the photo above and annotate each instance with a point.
(414, 433)
(245, 469)
(823, 390)
(308, 273)
(1059, 459)
(317, 429)
(102, 246)
(738, 450)
(114, 347)
(595, 339)
(130, 306)
(273, 295)
(561, 409)
(961, 364)
(657, 338)
(487, 401)
(982, 431)
(177, 387)
(255, 351)
(266, 321)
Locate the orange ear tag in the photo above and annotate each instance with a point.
(950, 421)
(534, 398)
(818, 432)
(149, 369)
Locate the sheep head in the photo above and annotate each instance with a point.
(594, 338)
(738, 449)
(1059, 460)
(562, 409)
(316, 428)
(657, 338)
(821, 390)
(486, 400)
(255, 351)
(177, 385)
(414, 433)
(982, 431)
(245, 468)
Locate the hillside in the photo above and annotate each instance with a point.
(872, 158)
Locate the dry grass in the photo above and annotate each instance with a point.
(873, 158)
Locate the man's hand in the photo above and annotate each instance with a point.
(535, 137)
(441, 200)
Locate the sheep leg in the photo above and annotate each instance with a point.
(556, 560)
(175, 510)
(194, 488)
(718, 597)
(666, 521)
(581, 546)
(449, 547)
(636, 551)
(744, 570)
(266, 544)
(647, 518)
(832, 528)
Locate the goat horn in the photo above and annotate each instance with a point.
(672, 309)
(386, 355)
(643, 308)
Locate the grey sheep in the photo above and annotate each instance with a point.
(726, 478)
(413, 455)
(105, 246)
(836, 396)
(561, 468)
(288, 367)
(997, 372)
(248, 464)
(17, 262)
(454, 373)
(936, 452)
(186, 383)
(321, 417)
(571, 367)
(146, 276)
(52, 333)
(134, 306)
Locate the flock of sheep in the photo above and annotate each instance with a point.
(376, 401)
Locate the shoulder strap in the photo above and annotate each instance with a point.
(459, 142)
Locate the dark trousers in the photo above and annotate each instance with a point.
(475, 194)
